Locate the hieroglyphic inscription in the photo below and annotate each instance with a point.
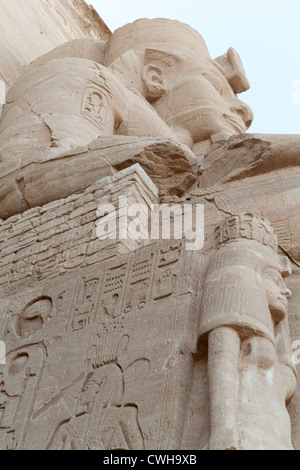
(84, 309)
(113, 289)
(34, 316)
(93, 313)
(138, 289)
(167, 273)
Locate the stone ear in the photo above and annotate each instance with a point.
(154, 82)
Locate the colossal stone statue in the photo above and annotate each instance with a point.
(159, 84)
(131, 343)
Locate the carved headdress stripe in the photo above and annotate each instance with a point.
(247, 226)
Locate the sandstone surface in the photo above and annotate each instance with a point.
(119, 333)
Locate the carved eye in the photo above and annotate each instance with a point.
(215, 81)
(274, 276)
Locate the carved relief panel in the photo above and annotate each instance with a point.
(95, 354)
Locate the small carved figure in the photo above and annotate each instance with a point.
(103, 420)
(244, 320)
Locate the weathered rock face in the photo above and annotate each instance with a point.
(41, 26)
(119, 336)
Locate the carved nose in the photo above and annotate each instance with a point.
(287, 293)
(243, 111)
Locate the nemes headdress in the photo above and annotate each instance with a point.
(171, 35)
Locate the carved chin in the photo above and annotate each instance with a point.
(279, 309)
(235, 123)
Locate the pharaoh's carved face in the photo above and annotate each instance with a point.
(200, 102)
(277, 293)
(89, 390)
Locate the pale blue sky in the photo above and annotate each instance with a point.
(266, 34)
